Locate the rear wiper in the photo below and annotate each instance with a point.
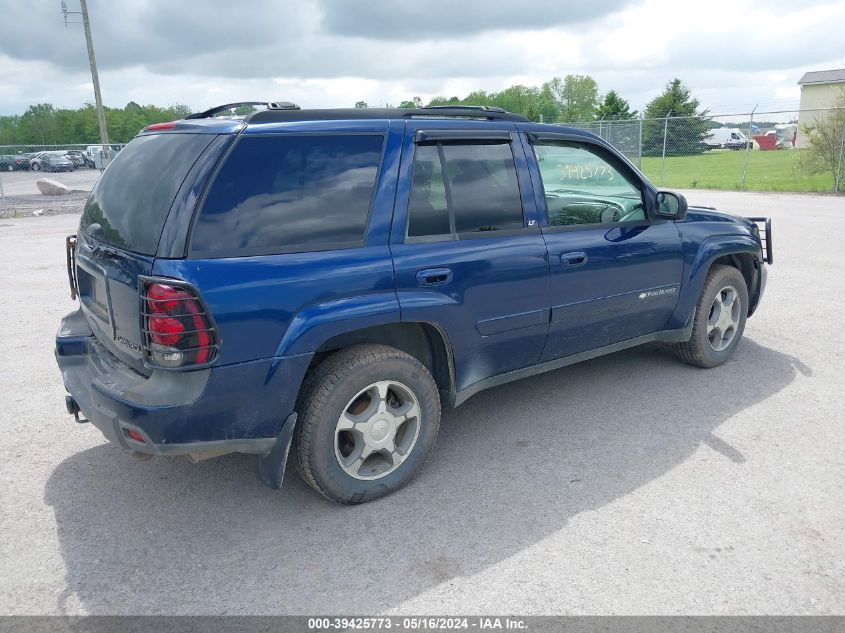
(97, 247)
(101, 250)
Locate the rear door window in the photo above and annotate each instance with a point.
(429, 211)
(284, 193)
(131, 200)
(464, 189)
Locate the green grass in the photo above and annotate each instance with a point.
(767, 171)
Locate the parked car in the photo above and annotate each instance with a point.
(322, 281)
(79, 158)
(14, 162)
(51, 161)
(76, 160)
(727, 138)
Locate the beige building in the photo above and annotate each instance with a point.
(819, 89)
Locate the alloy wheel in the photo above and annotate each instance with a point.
(377, 430)
(723, 320)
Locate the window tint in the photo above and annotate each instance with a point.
(581, 187)
(131, 200)
(284, 192)
(429, 213)
(464, 188)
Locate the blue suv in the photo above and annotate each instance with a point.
(323, 281)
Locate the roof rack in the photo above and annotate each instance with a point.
(338, 114)
(271, 105)
(463, 107)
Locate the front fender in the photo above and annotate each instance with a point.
(698, 259)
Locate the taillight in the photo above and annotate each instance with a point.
(166, 330)
(178, 332)
(133, 434)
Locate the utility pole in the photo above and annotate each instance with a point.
(838, 178)
(3, 198)
(745, 165)
(663, 162)
(98, 99)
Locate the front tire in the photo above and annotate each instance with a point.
(719, 321)
(369, 416)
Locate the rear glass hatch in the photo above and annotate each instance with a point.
(120, 230)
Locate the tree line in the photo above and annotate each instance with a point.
(573, 98)
(44, 124)
(576, 99)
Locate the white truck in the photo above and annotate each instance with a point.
(97, 155)
(727, 138)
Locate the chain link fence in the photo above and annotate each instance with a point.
(626, 136)
(22, 165)
(785, 150)
(19, 151)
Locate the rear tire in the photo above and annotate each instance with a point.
(35, 167)
(369, 416)
(719, 320)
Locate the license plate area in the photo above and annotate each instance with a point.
(93, 294)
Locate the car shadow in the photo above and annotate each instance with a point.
(510, 467)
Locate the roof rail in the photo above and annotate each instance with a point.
(340, 114)
(465, 111)
(271, 105)
(463, 107)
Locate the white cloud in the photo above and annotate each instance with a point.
(732, 53)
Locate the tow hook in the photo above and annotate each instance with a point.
(73, 409)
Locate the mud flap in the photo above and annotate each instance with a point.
(271, 467)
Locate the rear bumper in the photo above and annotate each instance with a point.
(235, 408)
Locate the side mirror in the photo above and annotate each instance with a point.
(671, 205)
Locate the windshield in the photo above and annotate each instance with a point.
(131, 200)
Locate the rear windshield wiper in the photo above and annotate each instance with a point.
(98, 248)
(101, 250)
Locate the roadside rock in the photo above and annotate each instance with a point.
(50, 187)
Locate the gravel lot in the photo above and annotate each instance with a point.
(22, 183)
(629, 484)
(22, 197)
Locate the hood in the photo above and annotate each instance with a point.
(708, 214)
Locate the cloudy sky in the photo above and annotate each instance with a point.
(319, 53)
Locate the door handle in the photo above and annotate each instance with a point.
(434, 277)
(573, 259)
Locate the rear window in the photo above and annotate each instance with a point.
(132, 198)
(283, 193)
